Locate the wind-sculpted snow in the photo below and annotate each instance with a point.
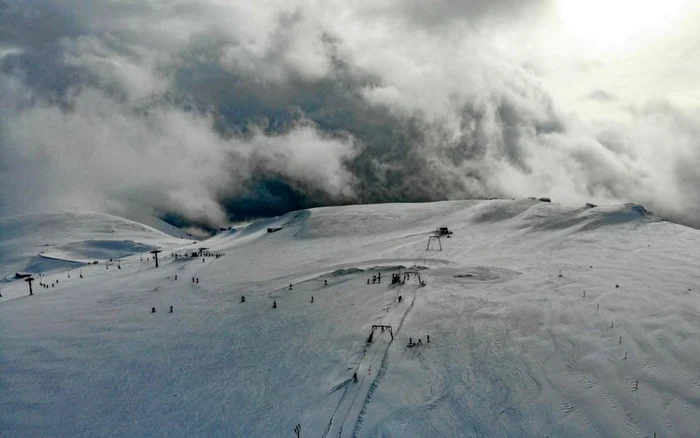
(544, 320)
(97, 249)
(72, 236)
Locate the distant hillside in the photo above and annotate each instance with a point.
(23, 238)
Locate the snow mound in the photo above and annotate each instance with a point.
(41, 263)
(553, 217)
(90, 250)
(477, 274)
(501, 210)
(24, 237)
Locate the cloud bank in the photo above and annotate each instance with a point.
(215, 110)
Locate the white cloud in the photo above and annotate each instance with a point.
(179, 106)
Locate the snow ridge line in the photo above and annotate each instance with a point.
(380, 375)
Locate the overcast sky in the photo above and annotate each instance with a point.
(217, 110)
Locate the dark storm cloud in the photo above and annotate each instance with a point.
(210, 110)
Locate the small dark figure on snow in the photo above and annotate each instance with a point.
(325, 282)
(175, 277)
(119, 266)
(428, 339)
(410, 341)
(197, 280)
(370, 338)
(192, 279)
(153, 310)
(420, 342)
(374, 279)
(400, 298)
(243, 299)
(290, 286)
(312, 298)
(274, 304)
(368, 281)
(354, 378)
(171, 309)
(81, 275)
(202, 260)
(379, 278)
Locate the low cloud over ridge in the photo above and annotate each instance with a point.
(218, 110)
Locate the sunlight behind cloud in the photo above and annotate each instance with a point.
(614, 25)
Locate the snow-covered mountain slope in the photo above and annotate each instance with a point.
(47, 241)
(544, 320)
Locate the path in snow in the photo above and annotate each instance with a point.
(355, 398)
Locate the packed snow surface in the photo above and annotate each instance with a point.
(544, 320)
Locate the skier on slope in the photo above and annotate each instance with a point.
(354, 377)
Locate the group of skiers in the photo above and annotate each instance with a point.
(274, 302)
(53, 283)
(420, 342)
(376, 279)
(194, 254)
(153, 310)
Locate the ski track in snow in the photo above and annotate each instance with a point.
(516, 348)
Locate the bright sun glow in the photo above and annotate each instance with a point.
(613, 24)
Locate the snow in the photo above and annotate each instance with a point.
(516, 348)
(39, 242)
